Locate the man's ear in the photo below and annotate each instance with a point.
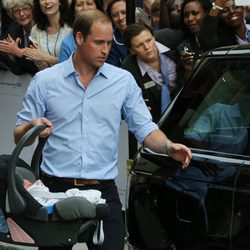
(79, 38)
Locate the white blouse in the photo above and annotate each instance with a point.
(50, 44)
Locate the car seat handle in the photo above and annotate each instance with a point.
(17, 204)
(37, 157)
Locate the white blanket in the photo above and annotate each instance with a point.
(46, 198)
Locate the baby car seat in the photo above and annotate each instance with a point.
(24, 221)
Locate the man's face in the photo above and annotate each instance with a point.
(144, 47)
(94, 48)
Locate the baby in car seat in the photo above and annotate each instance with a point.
(46, 198)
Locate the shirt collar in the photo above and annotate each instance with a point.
(68, 68)
(143, 66)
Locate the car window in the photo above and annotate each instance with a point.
(212, 112)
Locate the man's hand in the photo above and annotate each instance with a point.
(20, 130)
(179, 152)
(158, 142)
(43, 121)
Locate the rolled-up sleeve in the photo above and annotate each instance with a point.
(136, 112)
(33, 104)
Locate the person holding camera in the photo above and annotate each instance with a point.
(192, 15)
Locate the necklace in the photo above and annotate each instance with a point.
(55, 44)
(117, 41)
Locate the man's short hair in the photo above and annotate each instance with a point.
(84, 21)
(133, 30)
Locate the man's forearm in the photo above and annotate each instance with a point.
(157, 141)
(20, 130)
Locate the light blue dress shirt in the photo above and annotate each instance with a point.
(68, 46)
(84, 140)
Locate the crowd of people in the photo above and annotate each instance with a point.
(81, 99)
(37, 34)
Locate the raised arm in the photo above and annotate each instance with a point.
(210, 28)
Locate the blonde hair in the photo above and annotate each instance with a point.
(9, 4)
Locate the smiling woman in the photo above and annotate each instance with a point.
(224, 25)
(116, 10)
(52, 25)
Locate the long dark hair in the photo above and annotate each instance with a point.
(110, 5)
(42, 20)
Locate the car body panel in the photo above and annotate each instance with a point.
(206, 206)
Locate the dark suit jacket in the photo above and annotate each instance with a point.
(152, 95)
(22, 65)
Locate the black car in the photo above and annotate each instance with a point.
(206, 206)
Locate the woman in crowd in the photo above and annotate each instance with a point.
(116, 10)
(170, 14)
(52, 25)
(18, 36)
(77, 6)
(192, 15)
(224, 25)
(155, 14)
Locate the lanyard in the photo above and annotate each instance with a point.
(55, 44)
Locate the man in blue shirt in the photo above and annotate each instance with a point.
(82, 101)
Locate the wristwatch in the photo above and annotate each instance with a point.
(216, 7)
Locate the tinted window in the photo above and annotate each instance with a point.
(213, 111)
